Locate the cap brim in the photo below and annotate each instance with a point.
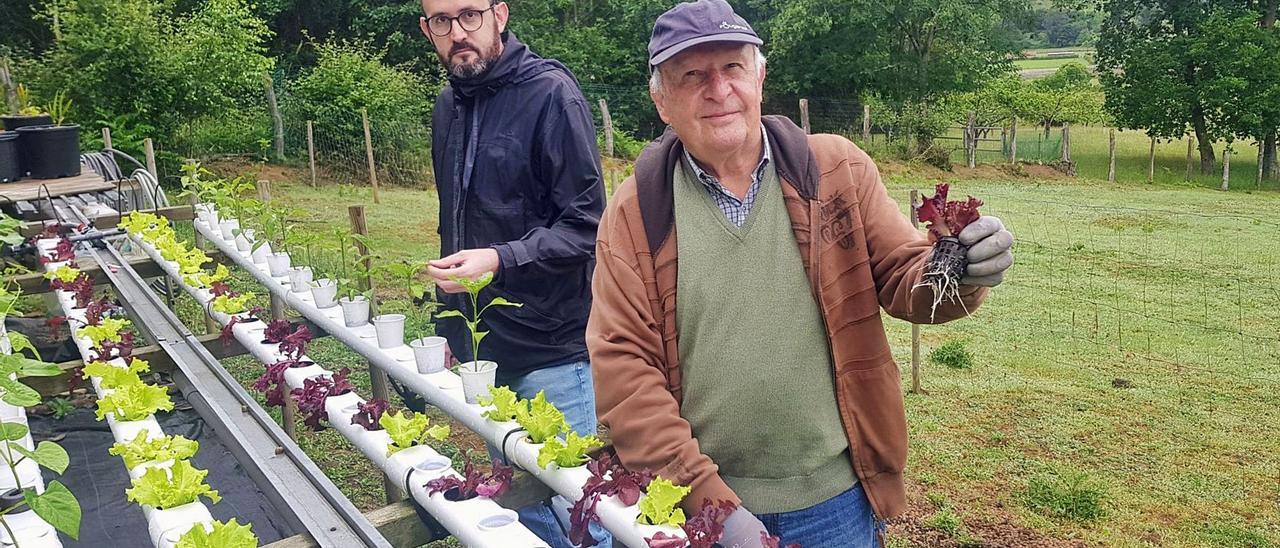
(734, 37)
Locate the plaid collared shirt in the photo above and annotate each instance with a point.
(735, 209)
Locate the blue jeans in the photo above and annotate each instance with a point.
(569, 388)
(843, 521)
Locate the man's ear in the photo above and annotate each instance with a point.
(501, 12)
(659, 101)
(422, 24)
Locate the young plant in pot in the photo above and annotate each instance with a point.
(395, 314)
(357, 300)
(232, 205)
(52, 151)
(325, 273)
(201, 185)
(477, 375)
(57, 506)
(29, 114)
(473, 483)
(301, 273)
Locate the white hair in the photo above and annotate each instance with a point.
(655, 77)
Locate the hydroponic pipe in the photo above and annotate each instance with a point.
(29, 530)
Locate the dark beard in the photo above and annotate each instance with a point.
(466, 71)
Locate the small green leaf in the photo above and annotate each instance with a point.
(47, 454)
(450, 314)
(57, 506)
(223, 535)
(658, 507)
(19, 342)
(12, 431)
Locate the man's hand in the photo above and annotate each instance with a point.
(742, 529)
(469, 264)
(989, 251)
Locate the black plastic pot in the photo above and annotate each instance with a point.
(51, 152)
(10, 158)
(12, 123)
(12, 497)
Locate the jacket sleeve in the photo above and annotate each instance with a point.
(569, 164)
(899, 252)
(632, 398)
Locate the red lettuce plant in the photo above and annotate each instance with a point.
(271, 382)
(64, 251)
(368, 414)
(608, 479)
(315, 391)
(945, 221)
(81, 289)
(98, 309)
(110, 349)
(277, 330)
(705, 528)
(295, 344)
(474, 483)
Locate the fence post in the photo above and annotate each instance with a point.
(1151, 162)
(1226, 168)
(311, 151)
(10, 91)
(1066, 142)
(1261, 159)
(106, 138)
(804, 115)
(915, 328)
(608, 127)
(1013, 141)
(377, 377)
(1190, 147)
(866, 123)
(277, 122)
(971, 140)
(1111, 158)
(368, 148)
(149, 150)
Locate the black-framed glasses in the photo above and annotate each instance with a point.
(469, 20)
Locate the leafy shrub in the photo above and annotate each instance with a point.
(952, 354)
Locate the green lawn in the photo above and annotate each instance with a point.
(1030, 64)
(1133, 348)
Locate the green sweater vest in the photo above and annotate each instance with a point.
(758, 386)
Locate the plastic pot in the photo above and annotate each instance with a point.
(244, 240)
(428, 353)
(12, 123)
(300, 279)
(355, 311)
(228, 227)
(477, 378)
(325, 293)
(278, 263)
(50, 152)
(10, 157)
(261, 254)
(390, 330)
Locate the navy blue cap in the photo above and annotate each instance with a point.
(693, 23)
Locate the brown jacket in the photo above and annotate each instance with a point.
(860, 254)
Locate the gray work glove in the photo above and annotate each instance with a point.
(742, 529)
(990, 252)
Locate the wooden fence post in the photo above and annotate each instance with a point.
(1013, 141)
(1151, 162)
(804, 115)
(971, 140)
(277, 122)
(866, 123)
(149, 150)
(106, 138)
(1226, 168)
(1111, 158)
(1261, 160)
(377, 377)
(368, 148)
(1190, 147)
(608, 127)
(915, 328)
(311, 151)
(1066, 142)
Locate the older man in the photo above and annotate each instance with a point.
(735, 333)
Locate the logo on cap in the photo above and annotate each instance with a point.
(730, 26)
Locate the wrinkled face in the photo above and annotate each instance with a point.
(710, 95)
(472, 42)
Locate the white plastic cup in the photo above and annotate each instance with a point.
(429, 354)
(355, 312)
(278, 263)
(325, 293)
(477, 378)
(390, 330)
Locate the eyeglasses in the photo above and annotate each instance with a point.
(470, 20)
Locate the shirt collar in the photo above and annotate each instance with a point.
(710, 180)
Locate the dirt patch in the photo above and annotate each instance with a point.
(1001, 529)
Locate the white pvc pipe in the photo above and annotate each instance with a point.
(444, 391)
(165, 527)
(28, 528)
(463, 519)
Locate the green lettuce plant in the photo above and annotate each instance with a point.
(219, 535)
(159, 449)
(163, 488)
(541, 419)
(660, 504)
(408, 429)
(135, 401)
(112, 377)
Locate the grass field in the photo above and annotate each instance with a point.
(1124, 386)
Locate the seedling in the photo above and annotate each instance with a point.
(947, 265)
(473, 288)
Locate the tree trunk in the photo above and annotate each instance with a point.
(1207, 158)
(1269, 19)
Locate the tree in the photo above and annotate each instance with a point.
(1168, 64)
